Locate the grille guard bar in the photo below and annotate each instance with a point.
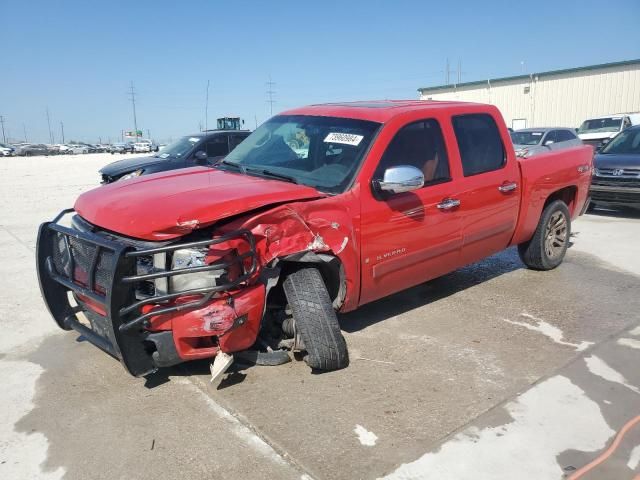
(122, 334)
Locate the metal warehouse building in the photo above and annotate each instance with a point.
(556, 98)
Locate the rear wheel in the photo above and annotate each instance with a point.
(315, 320)
(548, 246)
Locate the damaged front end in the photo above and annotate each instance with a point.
(151, 304)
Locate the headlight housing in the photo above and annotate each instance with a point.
(134, 174)
(189, 258)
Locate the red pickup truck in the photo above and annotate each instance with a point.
(321, 209)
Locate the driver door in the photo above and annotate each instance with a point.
(411, 237)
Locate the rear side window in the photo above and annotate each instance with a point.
(481, 148)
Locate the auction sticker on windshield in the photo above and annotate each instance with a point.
(344, 138)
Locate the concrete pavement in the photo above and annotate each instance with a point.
(491, 370)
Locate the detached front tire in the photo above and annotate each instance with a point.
(548, 246)
(316, 320)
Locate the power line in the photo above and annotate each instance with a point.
(4, 138)
(132, 97)
(270, 93)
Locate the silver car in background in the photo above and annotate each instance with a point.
(531, 141)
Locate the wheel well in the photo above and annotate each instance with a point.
(330, 268)
(566, 194)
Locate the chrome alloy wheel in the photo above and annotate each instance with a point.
(555, 237)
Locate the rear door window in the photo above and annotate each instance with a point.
(479, 142)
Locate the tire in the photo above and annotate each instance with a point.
(548, 246)
(316, 320)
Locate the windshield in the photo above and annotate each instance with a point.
(601, 125)
(526, 138)
(179, 148)
(322, 152)
(626, 142)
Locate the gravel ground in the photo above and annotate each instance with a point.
(492, 371)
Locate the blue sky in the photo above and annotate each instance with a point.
(79, 57)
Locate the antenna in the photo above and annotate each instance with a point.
(270, 93)
(132, 96)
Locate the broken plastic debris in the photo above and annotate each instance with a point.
(220, 364)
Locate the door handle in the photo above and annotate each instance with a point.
(448, 204)
(508, 187)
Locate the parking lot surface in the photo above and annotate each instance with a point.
(493, 371)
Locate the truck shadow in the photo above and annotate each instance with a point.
(469, 276)
(621, 213)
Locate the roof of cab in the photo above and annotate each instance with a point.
(375, 110)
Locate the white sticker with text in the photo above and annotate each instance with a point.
(344, 138)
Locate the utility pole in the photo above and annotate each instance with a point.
(459, 72)
(148, 134)
(4, 138)
(270, 92)
(206, 109)
(446, 73)
(49, 123)
(255, 117)
(132, 94)
(24, 130)
(62, 130)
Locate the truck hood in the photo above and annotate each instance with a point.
(597, 135)
(120, 167)
(171, 204)
(603, 160)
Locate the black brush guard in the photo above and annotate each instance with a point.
(111, 278)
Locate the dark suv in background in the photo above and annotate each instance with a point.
(616, 176)
(203, 148)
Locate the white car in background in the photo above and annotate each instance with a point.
(142, 147)
(76, 149)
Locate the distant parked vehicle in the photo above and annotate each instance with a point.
(616, 176)
(78, 149)
(34, 149)
(148, 145)
(121, 148)
(204, 148)
(7, 150)
(531, 141)
(598, 131)
(142, 147)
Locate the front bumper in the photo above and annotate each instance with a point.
(615, 193)
(90, 281)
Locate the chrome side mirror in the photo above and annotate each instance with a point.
(403, 178)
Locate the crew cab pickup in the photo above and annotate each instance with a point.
(320, 210)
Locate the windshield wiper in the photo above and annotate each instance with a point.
(268, 173)
(235, 165)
